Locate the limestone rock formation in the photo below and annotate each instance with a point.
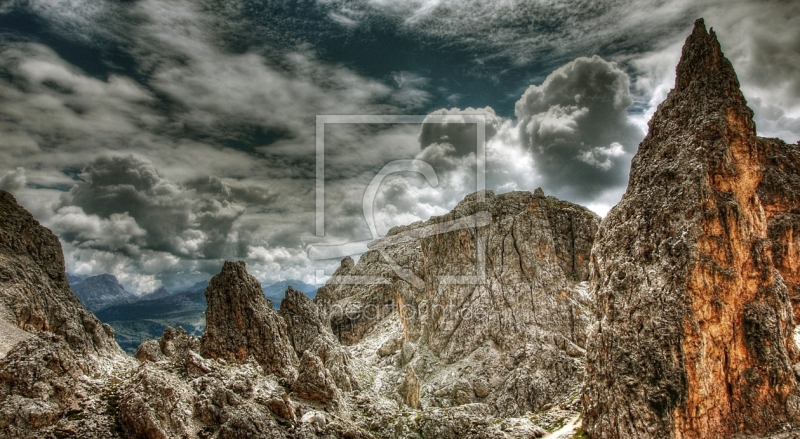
(311, 336)
(241, 323)
(355, 309)
(410, 389)
(154, 405)
(178, 393)
(304, 320)
(173, 342)
(185, 395)
(57, 359)
(54, 385)
(41, 381)
(34, 292)
(486, 304)
(693, 325)
(315, 382)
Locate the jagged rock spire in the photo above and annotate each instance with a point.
(311, 336)
(693, 323)
(240, 323)
(703, 68)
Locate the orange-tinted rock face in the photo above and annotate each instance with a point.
(779, 191)
(694, 325)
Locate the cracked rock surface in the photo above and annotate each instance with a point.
(241, 323)
(510, 336)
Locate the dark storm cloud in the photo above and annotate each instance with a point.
(227, 132)
(124, 217)
(220, 98)
(118, 232)
(576, 124)
(572, 136)
(248, 194)
(176, 220)
(762, 39)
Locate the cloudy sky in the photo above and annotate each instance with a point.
(158, 138)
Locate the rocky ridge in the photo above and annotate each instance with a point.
(266, 373)
(779, 193)
(34, 288)
(57, 356)
(485, 305)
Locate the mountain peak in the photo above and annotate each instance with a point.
(34, 293)
(706, 104)
(108, 276)
(234, 267)
(101, 291)
(703, 67)
(240, 323)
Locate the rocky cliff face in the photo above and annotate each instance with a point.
(484, 305)
(779, 192)
(255, 373)
(33, 285)
(312, 338)
(693, 325)
(57, 358)
(176, 392)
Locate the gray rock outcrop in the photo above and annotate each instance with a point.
(510, 335)
(779, 192)
(57, 358)
(312, 337)
(157, 405)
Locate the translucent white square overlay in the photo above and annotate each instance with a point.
(478, 219)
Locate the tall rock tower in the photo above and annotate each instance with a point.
(693, 329)
(240, 323)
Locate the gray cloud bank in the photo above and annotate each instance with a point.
(211, 155)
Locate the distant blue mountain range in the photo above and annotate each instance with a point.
(98, 292)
